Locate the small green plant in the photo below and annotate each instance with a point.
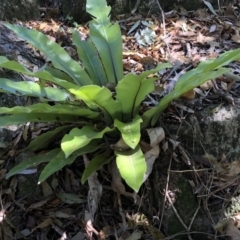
(93, 119)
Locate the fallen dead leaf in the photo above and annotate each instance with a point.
(39, 204)
(46, 189)
(156, 135)
(135, 235)
(44, 224)
(228, 228)
(190, 95)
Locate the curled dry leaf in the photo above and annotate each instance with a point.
(156, 135)
(45, 223)
(207, 85)
(46, 189)
(39, 204)
(106, 232)
(227, 227)
(150, 157)
(225, 170)
(190, 95)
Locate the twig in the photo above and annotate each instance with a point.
(179, 218)
(163, 18)
(176, 213)
(166, 190)
(194, 216)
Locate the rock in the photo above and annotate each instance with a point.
(216, 133)
(21, 10)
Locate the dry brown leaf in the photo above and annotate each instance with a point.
(13, 186)
(148, 63)
(39, 204)
(150, 158)
(42, 26)
(190, 95)
(135, 235)
(46, 189)
(17, 139)
(225, 170)
(236, 38)
(145, 147)
(156, 135)
(228, 228)
(206, 86)
(25, 131)
(230, 11)
(106, 232)
(65, 213)
(44, 224)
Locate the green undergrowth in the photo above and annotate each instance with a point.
(105, 124)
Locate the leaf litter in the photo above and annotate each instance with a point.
(98, 210)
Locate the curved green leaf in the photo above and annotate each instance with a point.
(88, 54)
(223, 60)
(33, 89)
(158, 68)
(131, 132)
(102, 98)
(56, 73)
(70, 198)
(59, 161)
(188, 82)
(78, 138)
(42, 141)
(132, 167)
(59, 57)
(92, 146)
(48, 74)
(43, 108)
(107, 39)
(33, 162)
(38, 117)
(55, 164)
(94, 165)
(136, 89)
